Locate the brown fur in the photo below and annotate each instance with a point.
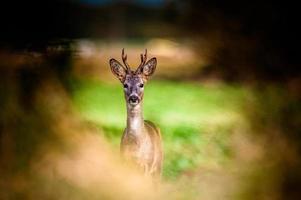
(150, 160)
(141, 142)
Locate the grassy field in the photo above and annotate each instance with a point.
(196, 121)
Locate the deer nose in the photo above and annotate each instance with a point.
(133, 99)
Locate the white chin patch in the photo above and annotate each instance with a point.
(133, 103)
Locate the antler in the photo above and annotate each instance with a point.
(124, 58)
(143, 60)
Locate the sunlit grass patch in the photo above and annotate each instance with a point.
(196, 121)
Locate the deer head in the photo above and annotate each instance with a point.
(133, 81)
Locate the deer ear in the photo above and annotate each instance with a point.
(118, 70)
(149, 68)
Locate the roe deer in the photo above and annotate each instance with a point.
(141, 140)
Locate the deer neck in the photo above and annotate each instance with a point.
(135, 122)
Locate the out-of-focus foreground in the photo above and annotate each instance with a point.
(225, 96)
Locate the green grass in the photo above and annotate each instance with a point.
(196, 121)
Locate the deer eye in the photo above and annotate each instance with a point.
(141, 85)
(125, 86)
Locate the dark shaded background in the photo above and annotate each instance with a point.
(257, 40)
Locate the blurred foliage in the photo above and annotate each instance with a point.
(202, 126)
(194, 119)
(231, 126)
(275, 116)
(216, 135)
